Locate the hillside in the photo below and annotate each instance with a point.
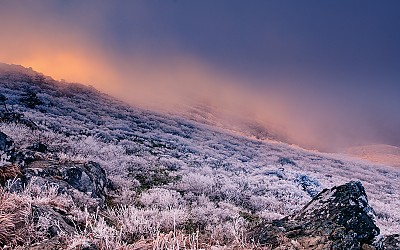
(162, 172)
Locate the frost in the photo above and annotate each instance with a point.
(165, 167)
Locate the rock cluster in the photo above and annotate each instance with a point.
(83, 178)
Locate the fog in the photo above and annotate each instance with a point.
(131, 52)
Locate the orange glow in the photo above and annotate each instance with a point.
(179, 82)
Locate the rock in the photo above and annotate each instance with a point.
(80, 180)
(57, 222)
(337, 218)
(25, 156)
(286, 161)
(38, 147)
(19, 156)
(7, 154)
(308, 184)
(6, 143)
(389, 242)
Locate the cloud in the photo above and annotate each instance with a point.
(42, 39)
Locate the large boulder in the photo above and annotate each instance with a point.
(337, 218)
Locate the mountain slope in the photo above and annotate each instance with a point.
(186, 174)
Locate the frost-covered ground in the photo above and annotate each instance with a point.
(175, 172)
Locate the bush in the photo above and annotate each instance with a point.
(30, 99)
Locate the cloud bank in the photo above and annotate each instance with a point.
(41, 35)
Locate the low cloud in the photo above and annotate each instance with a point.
(177, 80)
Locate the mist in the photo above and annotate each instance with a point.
(169, 56)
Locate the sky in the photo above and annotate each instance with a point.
(327, 72)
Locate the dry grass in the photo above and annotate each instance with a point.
(7, 229)
(14, 213)
(9, 172)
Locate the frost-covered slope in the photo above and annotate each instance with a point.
(209, 176)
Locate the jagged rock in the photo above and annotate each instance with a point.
(25, 156)
(78, 179)
(85, 182)
(6, 149)
(337, 218)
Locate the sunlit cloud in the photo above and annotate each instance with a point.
(174, 81)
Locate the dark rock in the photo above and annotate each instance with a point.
(112, 186)
(7, 149)
(38, 147)
(389, 242)
(286, 161)
(77, 179)
(20, 157)
(308, 184)
(57, 222)
(337, 218)
(278, 173)
(24, 156)
(6, 144)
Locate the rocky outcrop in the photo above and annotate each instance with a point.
(337, 218)
(83, 181)
(80, 180)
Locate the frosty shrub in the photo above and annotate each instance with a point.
(134, 222)
(161, 198)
